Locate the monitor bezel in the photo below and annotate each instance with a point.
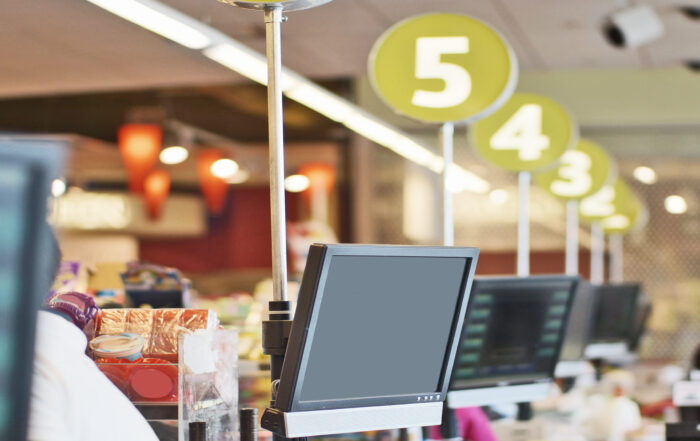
(630, 325)
(306, 316)
(43, 160)
(577, 338)
(529, 282)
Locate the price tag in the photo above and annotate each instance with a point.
(581, 172)
(528, 133)
(443, 67)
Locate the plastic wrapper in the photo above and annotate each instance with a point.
(158, 327)
(146, 380)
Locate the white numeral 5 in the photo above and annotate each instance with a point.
(458, 82)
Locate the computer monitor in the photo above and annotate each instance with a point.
(373, 339)
(27, 169)
(614, 320)
(644, 311)
(580, 324)
(511, 339)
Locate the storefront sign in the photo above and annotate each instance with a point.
(443, 67)
(581, 172)
(528, 133)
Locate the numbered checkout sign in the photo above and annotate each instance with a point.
(614, 206)
(443, 67)
(581, 172)
(528, 133)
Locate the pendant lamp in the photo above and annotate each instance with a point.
(156, 188)
(213, 188)
(139, 145)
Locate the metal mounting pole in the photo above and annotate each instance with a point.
(572, 238)
(524, 179)
(273, 19)
(616, 258)
(597, 254)
(447, 132)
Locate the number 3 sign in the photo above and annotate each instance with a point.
(443, 67)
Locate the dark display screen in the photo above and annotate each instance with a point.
(616, 309)
(383, 326)
(513, 333)
(14, 184)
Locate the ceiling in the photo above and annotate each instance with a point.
(64, 46)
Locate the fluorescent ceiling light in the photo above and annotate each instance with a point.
(162, 20)
(173, 24)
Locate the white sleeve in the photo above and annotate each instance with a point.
(48, 420)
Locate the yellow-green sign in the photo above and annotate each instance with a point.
(443, 67)
(528, 133)
(606, 202)
(626, 218)
(581, 172)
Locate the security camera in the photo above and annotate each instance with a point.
(693, 65)
(633, 27)
(692, 12)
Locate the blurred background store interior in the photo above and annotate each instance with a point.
(75, 70)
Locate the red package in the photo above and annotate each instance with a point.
(118, 372)
(153, 379)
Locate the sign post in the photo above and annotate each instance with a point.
(612, 209)
(446, 69)
(530, 132)
(581, 172)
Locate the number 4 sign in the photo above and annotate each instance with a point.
(528, 133)
(443, 68)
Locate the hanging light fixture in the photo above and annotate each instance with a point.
(321, 180)
(213, 187)
(139, 145)
(156, 188)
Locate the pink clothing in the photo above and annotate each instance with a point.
(472, 423)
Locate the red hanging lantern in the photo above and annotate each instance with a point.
(321, 180)
(156, 188)
(214, 188)
(139, 145)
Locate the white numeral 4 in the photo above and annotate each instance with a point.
(523, 132)
(575, 179)
(458, 82)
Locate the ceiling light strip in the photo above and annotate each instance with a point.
(185, 30)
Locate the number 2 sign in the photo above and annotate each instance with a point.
(442, 68)
(528, 133)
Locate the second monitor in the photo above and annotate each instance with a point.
(511, 340)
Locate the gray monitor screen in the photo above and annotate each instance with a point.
(383, 327)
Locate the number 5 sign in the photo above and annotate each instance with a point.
(528, 133)
(443, 67)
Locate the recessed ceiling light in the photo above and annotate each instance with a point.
(676, 204)
(499, 196)
(58, 187)
(224, 168)
(174, 155)
(296, 183)
(645, 175)
(239, 177)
